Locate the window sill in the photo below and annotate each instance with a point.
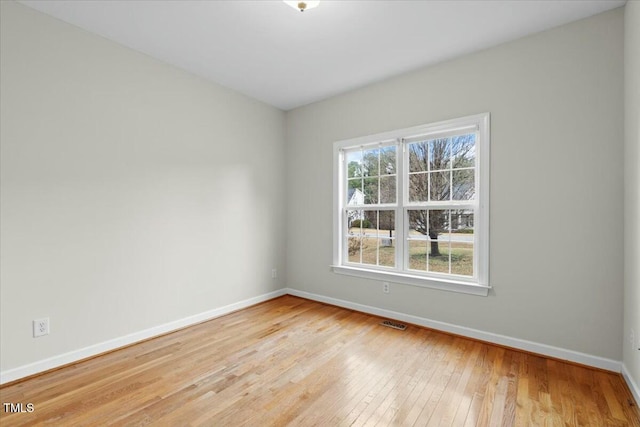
(408, 279)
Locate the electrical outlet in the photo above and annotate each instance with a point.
(632, 338)
(40, 327)
(274, 273)
(385, 287)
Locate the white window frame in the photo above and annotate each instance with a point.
(476, 285)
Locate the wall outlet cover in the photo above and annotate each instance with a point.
(40, 327)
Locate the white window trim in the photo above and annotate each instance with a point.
(479, 286)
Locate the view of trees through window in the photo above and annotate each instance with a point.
(440, 179)
(441, 173)
(372, 180)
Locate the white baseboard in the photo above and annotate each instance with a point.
(542, 349)
(530, 346)
(92, 350)
(633, 386)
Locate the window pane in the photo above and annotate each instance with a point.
(418, 254)
(440, 154)
(386, 224)
(370, 222)
(358, 223)
(439, 255)
(462, 236)
(387, 252)
(463, 151)
(439, 244)
(370, 160)
(369, 243)
(371, 190)
(354, 242)
(461, 257)
(388, 160)
(418, 157)
(418, 239)
(355, 196)
(464, 184)
(418, 223)
(418, 189)
(369, 249)
(355, 220)
(438, 223)
(439, 185)
(354, 164)
(386, 237)
(462, 222)
(388, 189)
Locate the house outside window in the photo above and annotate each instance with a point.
(411, 205)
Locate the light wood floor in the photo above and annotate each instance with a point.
(291, 361)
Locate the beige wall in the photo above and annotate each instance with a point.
(133, 193)
(631, 355)
(556, 104)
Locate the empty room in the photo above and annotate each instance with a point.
(320, 213)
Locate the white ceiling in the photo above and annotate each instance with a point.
(269, 51)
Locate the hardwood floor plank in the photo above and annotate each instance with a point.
(295, 362)
(438, 364)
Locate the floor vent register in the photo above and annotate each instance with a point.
(394, 325)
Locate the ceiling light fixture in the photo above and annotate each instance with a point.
(303, 5)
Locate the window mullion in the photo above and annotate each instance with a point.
(428, 242)
(400, 200)
(343, 226)
(378, 235)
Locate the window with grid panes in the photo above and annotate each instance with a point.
(411, 206)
